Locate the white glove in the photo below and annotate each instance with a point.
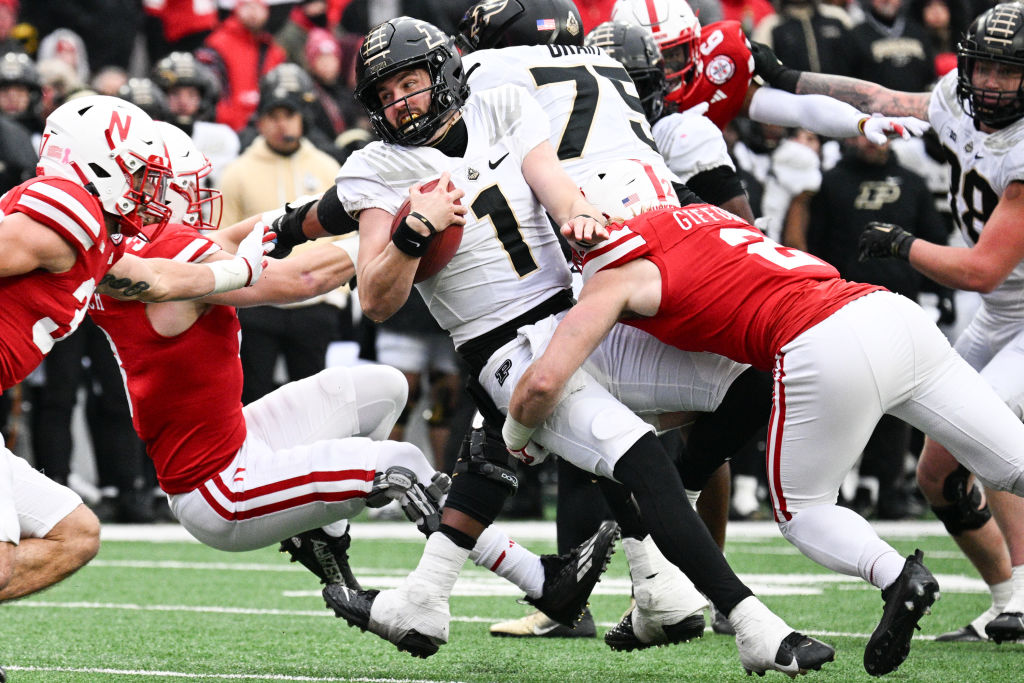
(247, 265)
(531, 454)
(878, 128)
(697, 110)
(519, 444)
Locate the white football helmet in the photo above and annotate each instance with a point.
(190, 202)
(625, 189)
(676, 30)
(114, 149)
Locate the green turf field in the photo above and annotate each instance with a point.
(178, 611)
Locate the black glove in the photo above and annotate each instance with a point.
(771, 69)
(884, 240)
(288, 227)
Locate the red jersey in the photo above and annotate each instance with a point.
(726, 288)
(185, 391)
(39, 307)
(728, 68)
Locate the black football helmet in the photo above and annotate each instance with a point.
(401, 44)
(17, 68)
(634, 47)
(144, 94)
(183, 69)
(504, 23)
(287, 85)
(997, 35)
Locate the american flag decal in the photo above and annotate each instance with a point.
(631, 199)
(546, 25)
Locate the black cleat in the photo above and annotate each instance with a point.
(539, 625)
(907, 600)
(324, 555)
(570, 579)
(622, 637)
(1008, 626)
(967, 634)
(720, 623)
(808, 654)
(354, 607)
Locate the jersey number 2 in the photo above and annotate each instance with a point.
(759, 245)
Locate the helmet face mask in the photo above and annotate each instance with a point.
(507, 23)
(992, 54)
(676, 30)
(188, 201)
(634, 47)
(113, 148)
(403, 45)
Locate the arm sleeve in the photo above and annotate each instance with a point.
(817, 113)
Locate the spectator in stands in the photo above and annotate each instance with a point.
(243, 51)
(108, 80)
(892, 49)
(172, 26)
(279, 166)
(68, 46)
(944, 22)
(21, 90)
(809, 33)
(8, 20)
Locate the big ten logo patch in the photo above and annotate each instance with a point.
(874, 194)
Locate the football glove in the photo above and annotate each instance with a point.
(771, 70)
(884, 240)
(878, 128)
(287, 224)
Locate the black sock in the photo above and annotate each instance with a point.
(580, 508)
(646, 471)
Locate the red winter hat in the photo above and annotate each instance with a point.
(321, 42)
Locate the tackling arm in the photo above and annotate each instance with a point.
(561, 197)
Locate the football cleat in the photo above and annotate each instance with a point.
(625, 636)
(540, 625)
(907, 600)
(323, 554)
(765, 642)
(720, 623)
(394, 616)
(966, 634)
(1008, 626)
(570, 579)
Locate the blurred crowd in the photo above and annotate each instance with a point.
(264, 88)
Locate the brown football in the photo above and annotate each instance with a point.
(443, 245)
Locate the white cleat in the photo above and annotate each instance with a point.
(766, 642)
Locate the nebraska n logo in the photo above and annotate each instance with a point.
(121, 126)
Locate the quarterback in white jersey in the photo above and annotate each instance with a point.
(500, 297)
(977, 112)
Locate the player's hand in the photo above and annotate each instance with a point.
(531, 454)
(585, 230)
(251, 251)
(269, 237)
(286, 223)
(770, 68)
(439, 206)
(884, 240)
(878, 129)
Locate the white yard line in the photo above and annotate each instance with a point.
(218, 677)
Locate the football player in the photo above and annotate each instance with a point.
(101, 177)
(702, 279)
(493, 145)
(597, 115)
(713, 65)
(976, 111)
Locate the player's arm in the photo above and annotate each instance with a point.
(386, 263)
(863, 95)
(560, 196)
(27, 245)
(314, 271)
(633, 288)
(826, 116)
(154, 279)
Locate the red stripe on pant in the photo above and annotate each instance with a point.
(775, 428)
(276, 487)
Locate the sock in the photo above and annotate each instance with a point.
(336, 529)
(1015, 603)
(1001, 593)
(886, 569)
(439, 566)
(495, 551)
(636, 558)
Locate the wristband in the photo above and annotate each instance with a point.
(860, 124)
(230, 274)
(423, 219)
(349, 245)
(516, 434)
(410, 242)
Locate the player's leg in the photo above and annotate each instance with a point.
(408, 354)
(10, 528)
(59, 534)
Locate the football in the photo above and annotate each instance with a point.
(443, 245)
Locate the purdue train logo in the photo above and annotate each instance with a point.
(1005, 22)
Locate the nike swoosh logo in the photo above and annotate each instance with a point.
(494, 164)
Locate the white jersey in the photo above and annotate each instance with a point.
(983, 165)
(509, 260)
(691, 144)
(592, 104)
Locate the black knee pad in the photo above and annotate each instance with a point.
(965, 513)
(483, 478)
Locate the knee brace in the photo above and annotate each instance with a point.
(482, 478)
(965, 513)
